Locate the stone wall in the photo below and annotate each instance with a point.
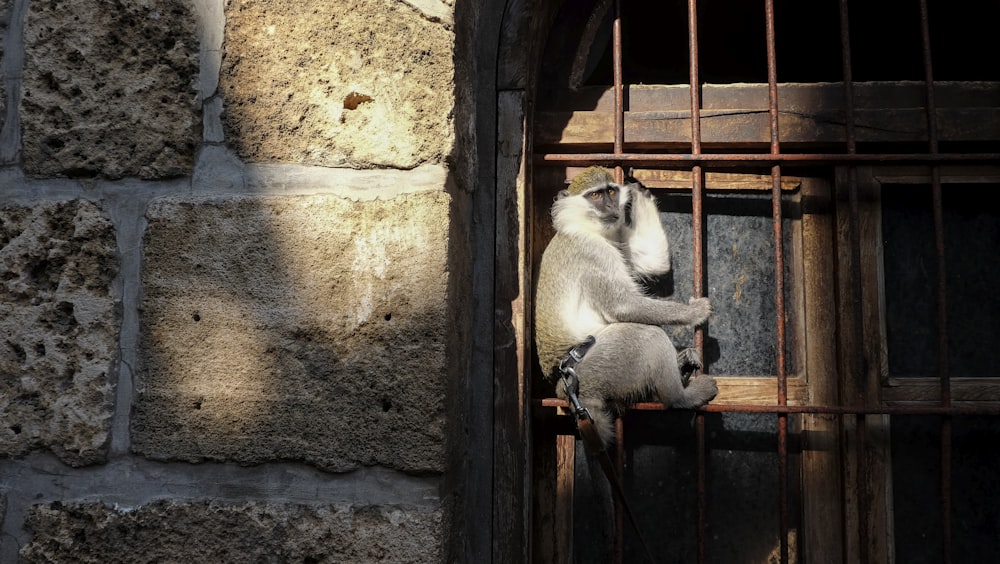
(232, 273)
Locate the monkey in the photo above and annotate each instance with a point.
(608, 241)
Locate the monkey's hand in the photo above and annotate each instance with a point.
(648, 249)
(646, 213)
(699, 310)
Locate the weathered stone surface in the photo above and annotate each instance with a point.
(360, 83)
(436, 10)
(58, 330)
(202, 532)
(303, 327)
(110, 88)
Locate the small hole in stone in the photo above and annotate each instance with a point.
(16, 429)
(196, 317)
(388, 316)
(353, 100)
(386, 405)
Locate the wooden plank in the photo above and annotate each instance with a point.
(511, 489)
(737, 390)
(681, 180)
(867, 465)
(878, 474)
(927, 391)
(512, 62)
(552, 499)
(792, 97)
(822, 531)
(758, 390)
(751, 127)
(849, 355)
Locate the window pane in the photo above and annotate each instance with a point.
(741, 335)
(972, 236)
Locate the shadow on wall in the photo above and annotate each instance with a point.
(295, 327)
(309, 327)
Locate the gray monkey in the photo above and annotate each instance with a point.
(608, 239)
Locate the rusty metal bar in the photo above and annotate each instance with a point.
(864, 470)
(619, 148)
(701, 484)
(619, 510)
(857, 366)
(759, 159)
(848, 75)
(942, 302)
(616, 58)
(772, 77)
(693, 77)
(779, 283)
(697, 263)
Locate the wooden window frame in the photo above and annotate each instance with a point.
(846, 447)
(909, 390)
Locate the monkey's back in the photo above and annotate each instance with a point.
(564, 314)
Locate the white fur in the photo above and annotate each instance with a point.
(649, 251)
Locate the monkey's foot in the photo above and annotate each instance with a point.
(689, 362)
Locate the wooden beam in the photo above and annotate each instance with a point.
(810, 114)
(751, 127)
(511, 465)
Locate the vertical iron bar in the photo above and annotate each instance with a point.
(695, 83)
(697, 258)
(845, 59)
(619, 509)
(857, 369)
(619, 147)
(863, 471)
(779, 282)
(852, 172)
(616, 61)
(857, 372)
(699, 437)
(942, 303)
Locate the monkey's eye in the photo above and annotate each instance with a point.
(612, 191)
(595, 195)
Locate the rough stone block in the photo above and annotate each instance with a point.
(360, 83)
(302, 327)
(110, 88)
(203, 532)
(58, 330)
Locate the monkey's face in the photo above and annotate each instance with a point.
(599, 209)
(606, 203)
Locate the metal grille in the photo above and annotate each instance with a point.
(697, 160)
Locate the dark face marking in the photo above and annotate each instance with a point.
(605, 202)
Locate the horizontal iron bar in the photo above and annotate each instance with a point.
(563, 159)
(814, 409)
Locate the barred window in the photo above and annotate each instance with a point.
(827, 183)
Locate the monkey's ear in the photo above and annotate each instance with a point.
(562, 194)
